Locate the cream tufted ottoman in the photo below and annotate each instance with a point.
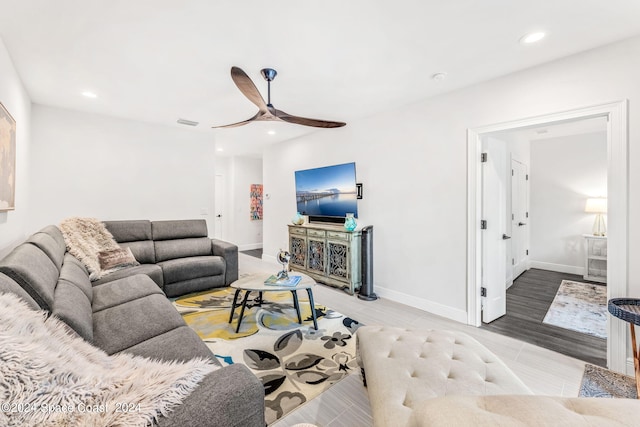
(402, 368)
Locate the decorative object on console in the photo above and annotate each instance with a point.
(350, 223)
(283, 258)
(597, 206)
(7, 160)
(297, 219)
(266, 111)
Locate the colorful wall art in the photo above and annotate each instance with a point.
(255, 197)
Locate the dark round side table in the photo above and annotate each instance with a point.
(628, 309)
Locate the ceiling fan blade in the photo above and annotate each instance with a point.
(306, 121)
(233, 125)
(248, 89)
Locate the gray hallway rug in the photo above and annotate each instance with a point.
(580, 307)
(601, 382)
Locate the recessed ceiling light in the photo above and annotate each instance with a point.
(439, 76)
(219, 149)
(271, 132)
(532, 37)
(89, 94)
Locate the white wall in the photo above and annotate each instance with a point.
(565, 172)
(90, 165)
(246, 233)
(13, 224)
(413, 164)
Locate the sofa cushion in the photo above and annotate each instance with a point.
(73, 307)
(122, 326)
(74, 272)
(9, 286)
(153, 271)
(135, 235)
(129, 230)
(143, 251)
(193, 285)
(51, 242)
(34, 271)
(232, 397)
(179, 229)
(533, 411)
(117, 259)
(120, 291)
(181, 269)
(181, 248)
(180, 344)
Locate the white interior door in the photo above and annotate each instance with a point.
(219, 201)
(519, 217)
(494, 173)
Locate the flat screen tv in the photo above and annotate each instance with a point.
(327, 193)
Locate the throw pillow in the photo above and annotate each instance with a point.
(116, 259)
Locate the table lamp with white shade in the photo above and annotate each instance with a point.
(597, 206)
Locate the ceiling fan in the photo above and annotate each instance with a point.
(266, 111)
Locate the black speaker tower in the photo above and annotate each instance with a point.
(366, 289)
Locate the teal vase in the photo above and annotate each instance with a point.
(350, 222)
(297, 219)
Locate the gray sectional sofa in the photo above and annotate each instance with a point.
(128, 311)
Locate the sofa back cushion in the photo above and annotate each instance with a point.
(51, 242)
(182, 248)
(34, 271)
(180, 239)
(179, 229)
(9, 286)
(75, 273)
(72, 306)
(135, 235)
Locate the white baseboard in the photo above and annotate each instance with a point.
(423, 304)
(271, 259)
(560, 268)
(249, 246)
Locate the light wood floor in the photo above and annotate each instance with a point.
(346, 403)
(528, 301)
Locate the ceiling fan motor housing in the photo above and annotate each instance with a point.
(269, 74)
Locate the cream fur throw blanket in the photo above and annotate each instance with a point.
(85, 238)
(49, 377)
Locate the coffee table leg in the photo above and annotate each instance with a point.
(244, 304)
(313, 308)
(636, 358)
(296, 304)
(233, 305)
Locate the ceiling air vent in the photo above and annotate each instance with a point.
(187, 122)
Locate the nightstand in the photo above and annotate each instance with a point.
(595, 258)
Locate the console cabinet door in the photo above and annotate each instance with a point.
(298, 250)
(317, 255)
(338, 260)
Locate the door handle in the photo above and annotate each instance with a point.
(520, 224)
(505, 237)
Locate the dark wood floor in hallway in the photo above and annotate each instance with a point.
(528, 300)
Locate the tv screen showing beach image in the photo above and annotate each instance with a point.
(327, 191)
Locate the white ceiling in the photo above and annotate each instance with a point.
(160, 60)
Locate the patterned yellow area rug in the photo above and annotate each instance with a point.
(294, 362)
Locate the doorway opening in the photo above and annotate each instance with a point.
(615, 117)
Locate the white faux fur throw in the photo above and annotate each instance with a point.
(49, 377)
(85, 238)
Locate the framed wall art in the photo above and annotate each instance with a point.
(255, 197)
(7, 160)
